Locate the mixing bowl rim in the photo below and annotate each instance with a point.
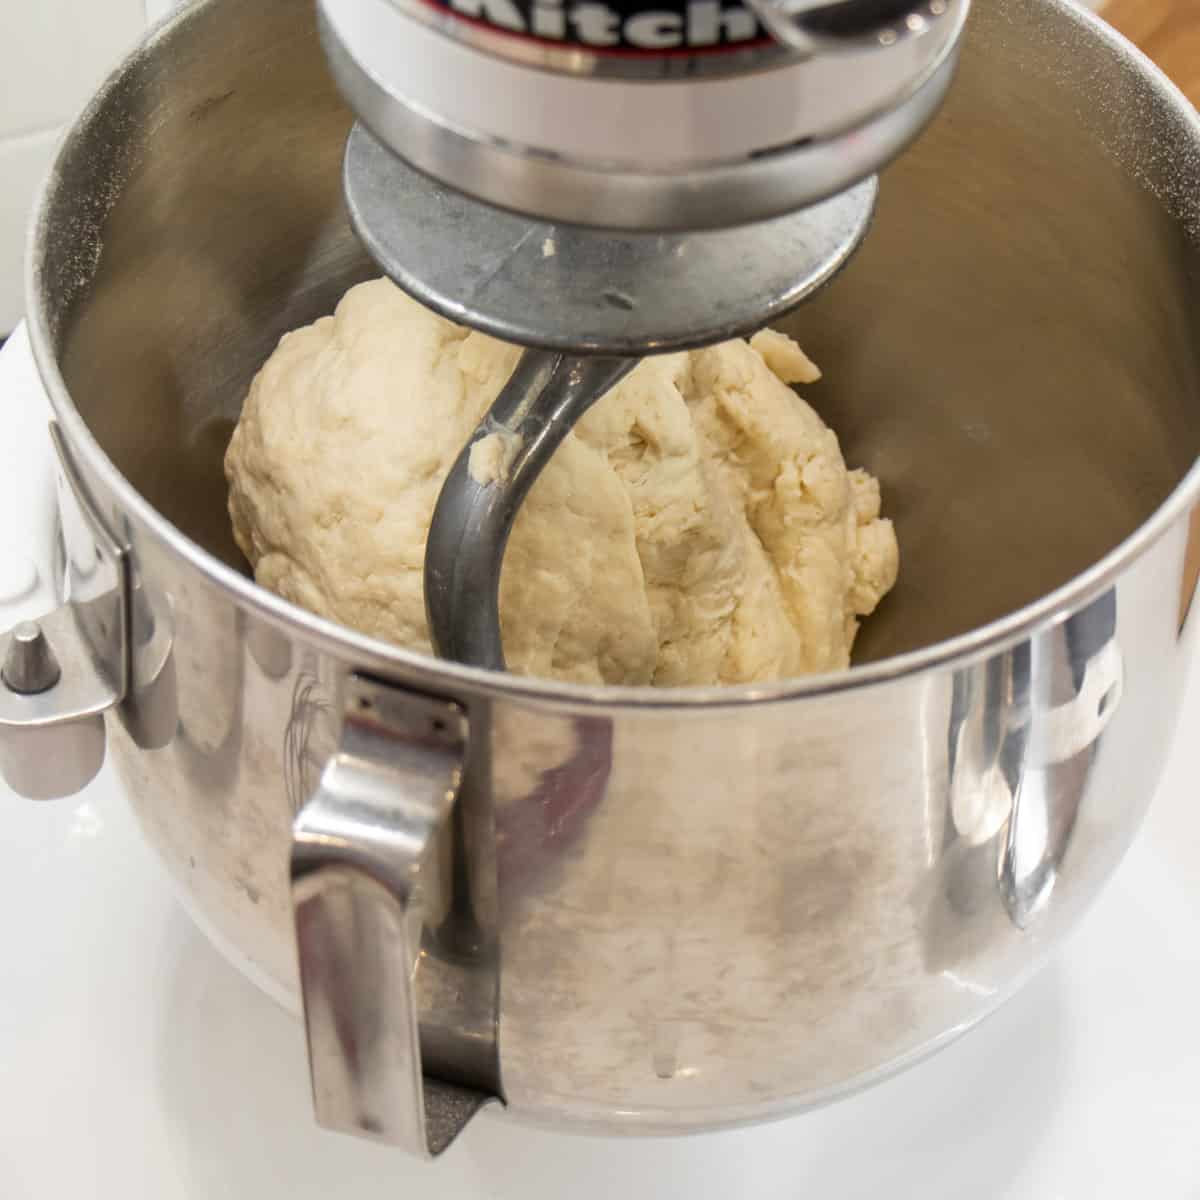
(374, 654)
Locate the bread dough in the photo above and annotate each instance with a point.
(492, 457)
(699, 526)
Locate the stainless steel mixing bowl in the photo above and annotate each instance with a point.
(623, 908)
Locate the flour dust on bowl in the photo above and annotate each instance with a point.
(638, 909)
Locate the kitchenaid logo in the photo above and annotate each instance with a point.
(696, 25)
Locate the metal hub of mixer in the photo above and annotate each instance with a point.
(670, 178)
(582, 291)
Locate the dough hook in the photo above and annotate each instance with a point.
(588, 304)
(547, 393)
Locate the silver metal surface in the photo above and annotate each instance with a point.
(52, 740)
(1014, 723)
(96, 577)
(29, 665)
(81, 691)
(473, 518)
(712, 905)
(824, 153)
(755, 49)
(808, 26)
(363, 878)
(583, 291)
(793, 27)
(63, 672)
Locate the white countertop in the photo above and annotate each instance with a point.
(136, 1064)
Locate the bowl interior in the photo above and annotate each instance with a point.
(1015, 351)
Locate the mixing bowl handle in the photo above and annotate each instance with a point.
(1081, 654)
(61, 673)
(364, 875)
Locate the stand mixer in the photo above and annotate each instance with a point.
(606, 907)
(600, 183)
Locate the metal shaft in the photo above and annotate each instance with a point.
(538, 407)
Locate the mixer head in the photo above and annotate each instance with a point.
(616, 121)
(607, 179)
(645, 114)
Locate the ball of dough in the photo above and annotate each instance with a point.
(699, 526)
